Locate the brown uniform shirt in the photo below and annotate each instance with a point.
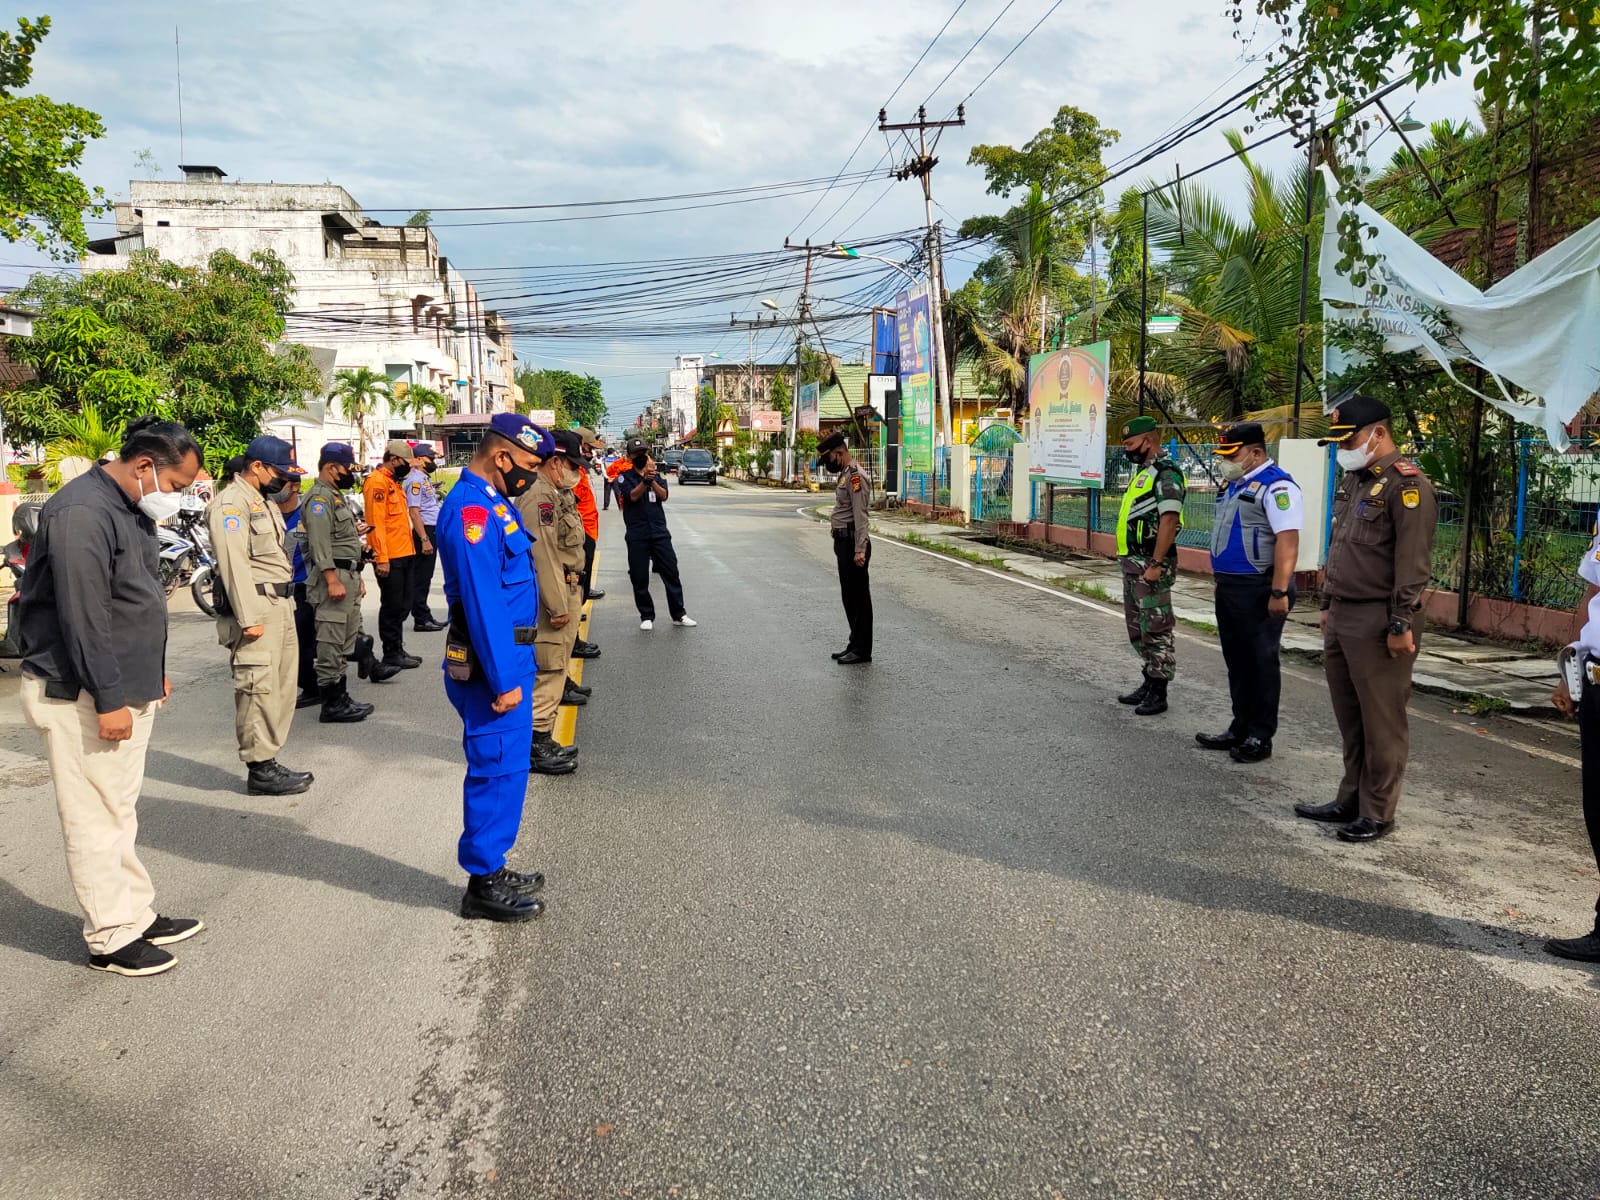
(851, 501)
(1381, 548)
(250, 544)
(541, 510)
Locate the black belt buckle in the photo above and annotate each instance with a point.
(281, 590)
(523, 635)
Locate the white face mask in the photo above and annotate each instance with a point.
(1355, 458)
(159, 505)
(1230, 470)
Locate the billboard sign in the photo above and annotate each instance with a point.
(914, 328)
(808, 407)
(1067, 394)
(885, 342)
(766, 420)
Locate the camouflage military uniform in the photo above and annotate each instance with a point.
(1155, 490)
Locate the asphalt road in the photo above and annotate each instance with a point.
(954, 924)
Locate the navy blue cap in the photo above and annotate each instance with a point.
(275, 452)
(517, 428)
(337, 452)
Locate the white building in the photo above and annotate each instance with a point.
(366, 295)
(683, 388)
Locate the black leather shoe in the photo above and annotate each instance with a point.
(582, 689)
(1225, 740)
(402, 660)
(586, 650)
(1331, 811)
(547, 759)
(272, 778)
(1251, 750)
(1580, 949)
(850, 658)
(363, 655)
(338, 708)
(527, 884)
(838, 654)
(1155, 700)
(552, 746)
(428, 626)
(1364, 829)
(382, 670)
(307, 700)
(491, 898)
(575, 699)
(597, 594)
(1137, 695)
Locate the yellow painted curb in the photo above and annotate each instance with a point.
(567, 715)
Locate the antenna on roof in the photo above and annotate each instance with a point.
(177, 54)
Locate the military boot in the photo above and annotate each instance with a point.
(338, 708)
(493, 898)
(1137, 695)
(363, 655)
(272, 778)
(547, 758)
(1155, 700)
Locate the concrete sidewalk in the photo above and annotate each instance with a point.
(1490, 677)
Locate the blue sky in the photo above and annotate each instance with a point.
(410, 104)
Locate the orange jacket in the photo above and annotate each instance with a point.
(385, 502)
(584, 494)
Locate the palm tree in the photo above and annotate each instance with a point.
(356, 395)
(420, 402)
(81, 435)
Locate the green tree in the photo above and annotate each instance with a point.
(80, 435)
(575, 399)
(781, 398)
(420, 219)
(421, 402)
(42, 200)
(356, 395)
(199, 344)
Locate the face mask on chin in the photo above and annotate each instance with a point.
(156, 504)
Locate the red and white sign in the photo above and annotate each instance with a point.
(766, 420)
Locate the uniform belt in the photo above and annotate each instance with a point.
(523, 635)
(347, 564)
(281, 590)
(848, 531)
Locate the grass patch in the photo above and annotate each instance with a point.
(1481, 705)
(961, 552)
(1202, 626)
(1083, 587)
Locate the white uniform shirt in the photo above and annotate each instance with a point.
(1589, 572)
(1285, 516)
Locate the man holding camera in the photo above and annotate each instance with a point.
(642, 492)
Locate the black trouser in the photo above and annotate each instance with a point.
(642, 552)
(1250, 636)
(855, 589)
(1589, 729)
(394, 592)
(588, 574)
(305, 628)
(422, 578)
(609, 488)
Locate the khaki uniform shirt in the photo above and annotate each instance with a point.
(1381, 547)
(330, 526)
(248, 539)
(851, 500)
(540, 508)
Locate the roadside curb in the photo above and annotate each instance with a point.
(1424, 680)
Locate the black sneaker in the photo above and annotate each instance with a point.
(164, 931)
(1579, 949)
(525, 882)
(136, 958)
(272, 778)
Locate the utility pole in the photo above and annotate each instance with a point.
(801, 314)
(921, 166)
(751, 327)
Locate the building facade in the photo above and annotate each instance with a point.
(366, 294)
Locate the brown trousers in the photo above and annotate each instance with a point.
(552, 652)
(1369, 691)
(264, 673)
(97, 787)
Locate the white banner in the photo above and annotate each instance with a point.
(1537, 329)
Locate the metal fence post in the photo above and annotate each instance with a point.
(1522, 512)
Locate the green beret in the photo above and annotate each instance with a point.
(1137, 426)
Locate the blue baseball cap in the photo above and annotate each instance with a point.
(517, 428)
(275, 452)
(337, 452)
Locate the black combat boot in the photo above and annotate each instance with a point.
(338, 708)
(525, 882)
(493, 898)
(574, 695)
(1137, 695)
(363, 655)
(1155, 700)
(548, 758)
(399, 658)
(272, 778)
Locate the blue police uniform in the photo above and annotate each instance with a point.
(489, 581)
(305, 619)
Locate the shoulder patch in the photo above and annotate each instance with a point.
(232, 522)
(547, 513)
(1411, 497)
(1283, 500)
(318, 506)
(414, 488)
(473, 520)
(855, 483)
(1406, 467)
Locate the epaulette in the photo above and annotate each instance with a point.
(1404, 466)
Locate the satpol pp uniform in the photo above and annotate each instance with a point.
(558, 561)
(333, 543)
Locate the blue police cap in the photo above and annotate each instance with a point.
(275, 452)
(517, 428)
(337, 452)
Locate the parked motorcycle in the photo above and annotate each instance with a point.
(185, 555)
(25, 525)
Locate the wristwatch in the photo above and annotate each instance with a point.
(1397, 627)
(1278, 593)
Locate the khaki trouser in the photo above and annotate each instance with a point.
(97, 788)
(264, 674)
(338, 625)
(552, 651)
(1369, 691)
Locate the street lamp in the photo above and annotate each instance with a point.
(841, 251)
